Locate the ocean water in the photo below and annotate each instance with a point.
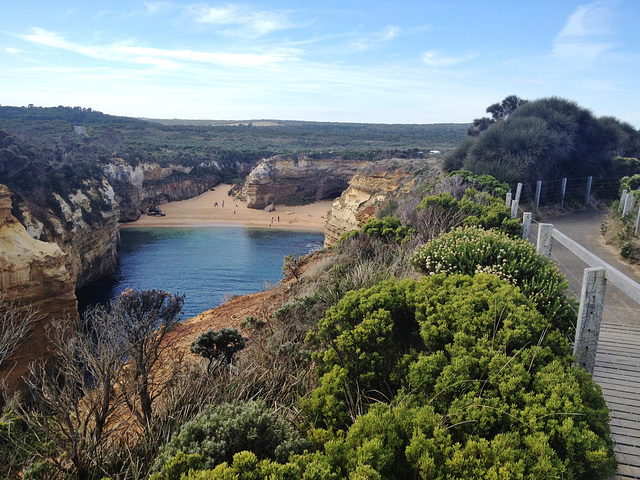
(207, 264)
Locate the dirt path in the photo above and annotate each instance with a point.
(584, 228)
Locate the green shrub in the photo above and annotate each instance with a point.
(437, 214)
(485, 183)
(471, 250)
(490, 388)
(388, 230)
(219, 432)
(630, 183)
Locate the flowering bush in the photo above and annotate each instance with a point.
(471, 250)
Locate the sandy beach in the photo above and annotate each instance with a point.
(202, 211)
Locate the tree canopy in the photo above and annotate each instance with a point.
(544, 139)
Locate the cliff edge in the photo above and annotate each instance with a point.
(33, 274)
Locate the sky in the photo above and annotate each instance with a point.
(418, 61)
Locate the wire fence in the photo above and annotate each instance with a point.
(563, 192)
(616, 358)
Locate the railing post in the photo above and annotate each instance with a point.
(594, 285)
(518, 192)
(515, 203)
(564, 191)
(545, 239)
(623, 197)
(628, 204)
(514, 209)
(589, 181)
(538, 191)
(526, 225)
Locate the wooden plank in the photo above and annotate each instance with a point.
(629, 405)
(626, 471)
(620, 387)
(615, 376)
(625, 432)
(618, 363)
(618, 349)
(632, 417)
(625, 456)
(623, 426)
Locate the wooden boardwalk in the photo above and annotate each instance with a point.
(617, 368)
(617, 371)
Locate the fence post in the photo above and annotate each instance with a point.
(628, 203)
(638, 222)
(507, 201)
(518, 192)
(538, 190)
(623, 197)
(594, 285)
(563, 191)
(545, 239)
(526, 225)
(589, 181)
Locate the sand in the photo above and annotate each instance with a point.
(200, 211)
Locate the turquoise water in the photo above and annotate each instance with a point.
(207, 264)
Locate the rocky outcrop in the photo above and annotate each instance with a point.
(296, 178)
(85, 228)
(138, 187)
(368, 191)
(37, 275)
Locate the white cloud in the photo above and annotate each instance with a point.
(366, 42)
(228, 59)
(435, 59)
(245, 22)
(11, 50)
(163, 58)
(155, 7)
(587, 20)
(51, 39)
(390, 31)
(581, 42)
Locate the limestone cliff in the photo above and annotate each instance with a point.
(36, 274)
(296, 178)
(138, 187)
(369, 190)
(85, 227)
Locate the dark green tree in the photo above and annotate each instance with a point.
(499, 111)
(218, 346)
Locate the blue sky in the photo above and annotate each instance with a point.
(418, 61)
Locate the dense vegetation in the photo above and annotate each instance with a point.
(188, 142)
(621, 228)
(368, 368)
(546, 139)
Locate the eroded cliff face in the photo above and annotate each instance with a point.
(295, 178)
(368, 191)
(138, 187)
(85, 228)
(37, 275)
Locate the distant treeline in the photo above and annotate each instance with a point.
(237, 141)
